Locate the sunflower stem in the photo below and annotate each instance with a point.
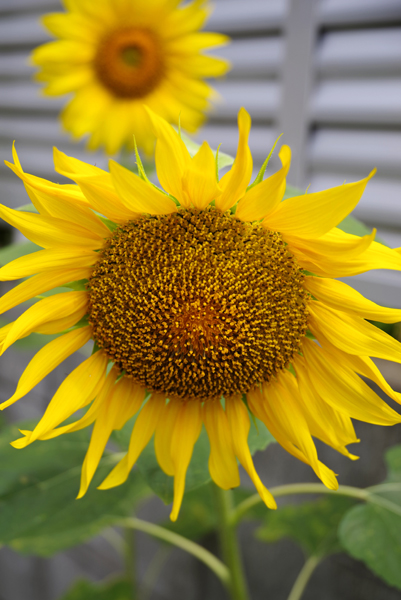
(216, 565)
(303, 577)
(129, 555)
(300, 488)
(229, 545)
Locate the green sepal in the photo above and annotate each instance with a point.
(223, 159)
(28, 208)
(14, 251)
(261, 174)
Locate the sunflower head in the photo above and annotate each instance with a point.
(116, 56)
(202, 304)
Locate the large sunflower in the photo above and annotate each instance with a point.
(199, 304)
(114, 56)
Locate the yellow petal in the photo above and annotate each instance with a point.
(138, 195)
(283, 400)
(129, 395)
(163, 435)
(187, 428)
(102, 196)
(235, 182)
(199, 181)
(313, 215)
(238, 419)
(39, 284)
(341, 296)
(171, 156)
(49, 231)
(143, 430)
(47, 359)
(48, 260)
(344, 390)
(104, 425)
(352, 334)
(337, 254)
(48, 309)
(264, 198)
(324, 422)
(78, 389)
(222, 464)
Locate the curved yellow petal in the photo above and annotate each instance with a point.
(264, 198)
(103, 197)
(78, 389)
(283, 402)
(171, 156)
(345, 391)
(138, 195)
(222, 463)
(104, 425)
(48, 260)
(352, 334)
(337, 254)
(235, 182)
(313, 215)
(187, 429)
(199, 181)
(143, 430)
(341, 296)
(49, 231)
(239, 422)
(324, 422)
(38, 284)
(47, 359)
(164, 434)
(48, 309)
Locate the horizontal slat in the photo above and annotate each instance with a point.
(355, 150)
(237, 16)
(358, 52)
(375, 101)
(22, 30)
(260, 98)
(380, 203)
(18, 6)
(358, 12)
(16, 66)
(27, 96)
(261, 56)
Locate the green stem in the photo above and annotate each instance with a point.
(298, 488)
(129, 555)
(229, 545)
(303, 577)
(201, 553)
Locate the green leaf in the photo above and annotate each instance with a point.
(119, 589)
(372, 532)
(197, 514)
(223, 159)
(39, 513)
(313, 525)
(14, 251)
(198, 472)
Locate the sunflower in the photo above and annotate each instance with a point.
(114, 56)
(202, 308)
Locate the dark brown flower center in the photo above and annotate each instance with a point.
(197, 304)
(129, 62)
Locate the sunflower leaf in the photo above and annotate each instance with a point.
(313, 525)
(117, 589)
(372, 532)
(39, 513)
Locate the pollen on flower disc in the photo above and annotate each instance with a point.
(129, 62)
(197, 304)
